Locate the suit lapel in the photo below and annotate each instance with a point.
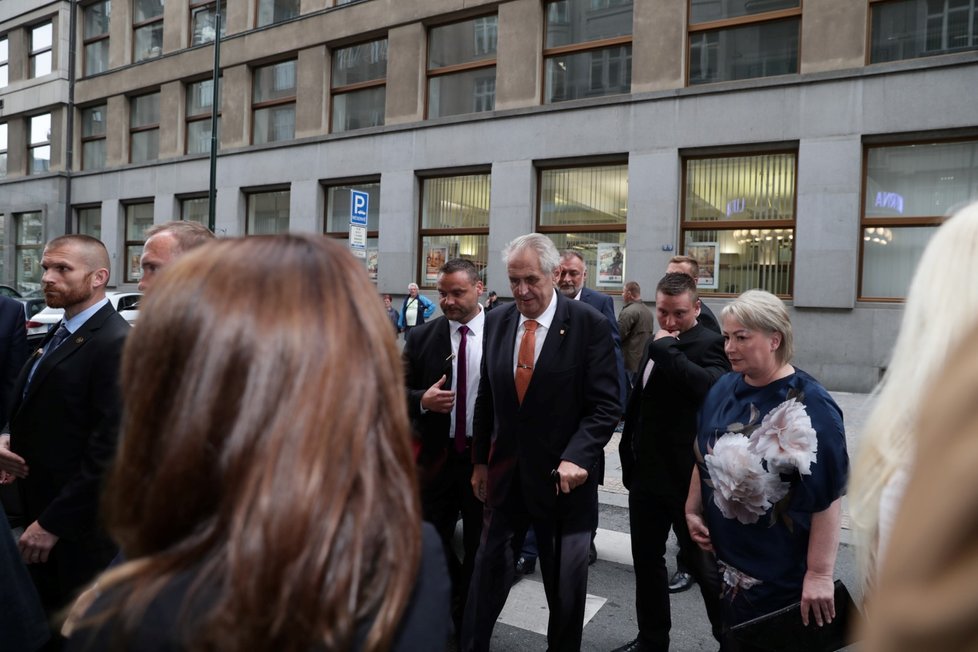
(506, 338)
(551, 345)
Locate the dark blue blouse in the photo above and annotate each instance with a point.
(763, 564)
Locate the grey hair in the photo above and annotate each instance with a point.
(760, 310)
(542, 245)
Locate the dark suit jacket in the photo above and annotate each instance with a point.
(660, 421)
(606, 306)
(708, 319)
(67, 424)
(569, 412)
(13, 351)
(425, 356)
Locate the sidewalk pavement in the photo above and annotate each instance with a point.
(855, 410)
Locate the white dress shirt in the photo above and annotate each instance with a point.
(473, 366)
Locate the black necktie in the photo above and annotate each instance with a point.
(60, 336)
(460, 397)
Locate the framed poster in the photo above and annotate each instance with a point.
(707, 254)
(437, 256)
(372, 257)
(610, 264)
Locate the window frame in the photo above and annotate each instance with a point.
(278, 101)
(344, 89)
(33, 53)
(90, 138)
(580, 47)
(198, 5)
(263, 190)
(257, 6)
(200, 117)
(183, 199)
(136, 26)
(78, 210)
(343, 183)
(5, 62)
(890, 223)
(945, 51)
(735, 225)
(452, 69)
(20, 246)
(424, 232)
(776, 15)
(4, 149)
(144, 128)
(91, 40)
(550, 230)
(32, 146)
(132, 242)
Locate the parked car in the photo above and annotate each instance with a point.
(126, 303)
(8, 291)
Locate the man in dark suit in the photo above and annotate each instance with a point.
(547, 405)
(442, 359)
(13, 350)
(681, 363)
(64, 422)
(689, 266)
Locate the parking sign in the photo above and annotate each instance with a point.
(359, 204)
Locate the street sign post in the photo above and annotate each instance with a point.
(359, 206)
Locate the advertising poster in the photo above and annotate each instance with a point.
(610, 264)
(707, 254)
(437, 255)
(372, 256)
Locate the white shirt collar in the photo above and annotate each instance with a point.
(545, 319)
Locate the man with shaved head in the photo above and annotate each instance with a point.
(64, 423)
(165, 243)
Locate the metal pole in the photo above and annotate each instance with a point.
(215, 98)
(70, 110)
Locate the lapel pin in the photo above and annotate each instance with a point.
(561, 331)
(79, 339)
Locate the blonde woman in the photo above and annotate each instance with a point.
(941, 305)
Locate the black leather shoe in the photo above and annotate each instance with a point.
(632, 646)
(525, 566)
(680, 581)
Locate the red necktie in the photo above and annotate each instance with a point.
(524, 362)
(460, 391)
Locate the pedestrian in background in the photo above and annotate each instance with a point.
(492, 300)
(943, 286)
(265, 493)
(635, 324)
(391, 312)
(415, 310)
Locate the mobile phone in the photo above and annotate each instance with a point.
(447, 370)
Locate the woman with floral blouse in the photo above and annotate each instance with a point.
(771, 469)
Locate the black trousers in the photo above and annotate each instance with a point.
(443, 499)
(650, 517)
(563, 566)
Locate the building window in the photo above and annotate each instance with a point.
(95, 37)
(3, 150)
(139, 217)
(4, 63)
(273, 103)
(275, 11)
(42, 37)
(587, 49)
(909, 191)
(339, 208)
(454, 223)
(358, 87)
(203, 21)
(462, 67)
(144, 128)
(29, 246)
(195, 209)
(738, 220)
(585, 209)
(93, 137)
(200, 99)
(907, 29)
(90, 221)
(743, 39)
(268, 212)
(147, 28)
(39, 147)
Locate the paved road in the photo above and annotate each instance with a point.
(611, 582)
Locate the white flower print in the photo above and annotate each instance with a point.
(743, 489)
(785, 439)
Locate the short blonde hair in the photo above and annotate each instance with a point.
(760, 310)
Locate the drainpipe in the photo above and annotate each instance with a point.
(70, 130)
(215, 98)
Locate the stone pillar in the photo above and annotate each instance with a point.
(658, 45)
(512, 211)
(405, 74)
(236, 107)
(519, 59)
(398, 231)
(833, 35)
(310, 113)
(117, 138)
(172, 119)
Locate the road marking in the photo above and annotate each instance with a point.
(526, 607)
(614, 546)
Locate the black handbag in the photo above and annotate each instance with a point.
(783, 629)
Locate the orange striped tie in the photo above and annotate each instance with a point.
(524, 362)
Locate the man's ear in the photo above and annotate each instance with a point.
(100, 277)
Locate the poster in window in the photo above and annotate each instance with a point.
(611, 264)
(372, 257)
(437, 255)
(135, 271)
(707, 254)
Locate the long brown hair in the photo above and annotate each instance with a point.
(266, 448)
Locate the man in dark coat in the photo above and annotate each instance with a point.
(682, 362)
(64, 423)
(547, 405)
